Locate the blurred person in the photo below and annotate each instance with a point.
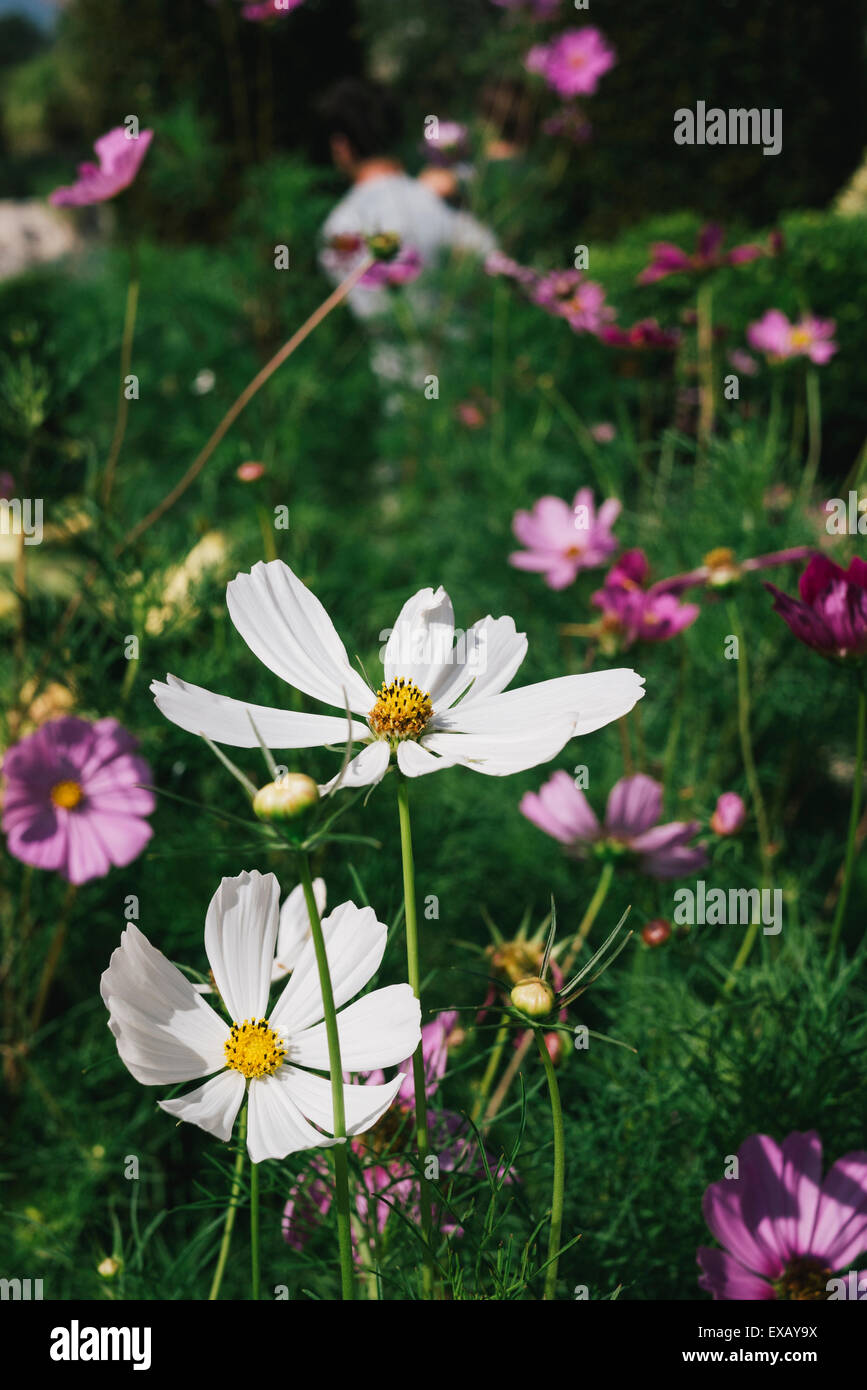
(363, 129)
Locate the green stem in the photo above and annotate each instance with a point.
(230, 1210)
(772, 436)
(254, 1231)
(413, 972)
(753, 784)
(814, 430)
(559, 1184)
(704, 334)
(590, 915)
(122, 400)
(491, 1070)
(854, 815)
(341, 1164)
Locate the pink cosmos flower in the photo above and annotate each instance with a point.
(449, 144)
(668, 259)
(390, 1181)
(73, 799)
(498, 263)
(268, 9)
(561, 540)
(743, 362)
(831, 615)
(574, 62)
(570, 295)
(250, 472)
(604, 432)
(784, 1230)
(646, 333)
(120, 157)
(779, 339)
(630, 827)
(632, 613)
(406, 266)
(729, 814)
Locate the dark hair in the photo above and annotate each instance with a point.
(508, 107)
(364, 113)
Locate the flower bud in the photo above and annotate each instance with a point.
(554, 1044)
(286, 799)
(534, 997)
(656, 933)
(383, 246)
(729, 815)
(108, 1267)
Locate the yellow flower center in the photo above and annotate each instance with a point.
(67, 795)
(805, 1279)
(801, 337)
(401, 710)
(253, 1049)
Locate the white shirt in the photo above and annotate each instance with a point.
(400, 204)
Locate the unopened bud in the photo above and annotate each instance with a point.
(656, 933)
(534, 997)
(286, 799)
(383, 246)
(108, 1267)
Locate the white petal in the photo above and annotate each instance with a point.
(240, 933)
(362, 1105)
(588, 701)
(380, 1030)
(224, 720)
(501, 754)
(165, 1030)
(275, 1125)
(213, 1106)
(294, 929)
(366, 768)
(354, 945)
(420, 647)
(414, 760)
(289, 630)
(491, 653)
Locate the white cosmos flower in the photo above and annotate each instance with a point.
(440, 704)
(166, 1032)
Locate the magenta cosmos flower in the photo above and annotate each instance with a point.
(668, 259)
(74, 800)
(729, 814)
(780, 340)
(269, 9)
(561, 540)
(406, 266)
(573, 64)
(570, 295)
(630, 827)
(831, 615)
(120, 156)
(784, 1230)
(388, 1179)
(633, 613)
(643, 335)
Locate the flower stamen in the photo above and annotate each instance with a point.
(67, 795)
(253, 1048)
(401, 710)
